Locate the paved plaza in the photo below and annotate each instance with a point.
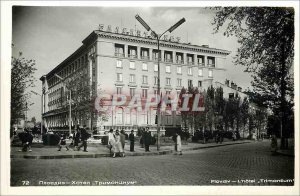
(243, 164)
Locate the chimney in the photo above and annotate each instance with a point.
(232, 84)
(227, 82)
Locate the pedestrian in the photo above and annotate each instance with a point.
(217, 137)
(131, 139)
(233, 136)
(62, 142)
(122, 138)
(26, 138)
(274, 146)
(178, 143)
(142, 139)
(111, 141)
(76, 138)
(84, 137)
(118, 145)
(147, 139)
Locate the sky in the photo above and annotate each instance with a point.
(50, 34)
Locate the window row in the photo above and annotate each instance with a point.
(168, 56)
(144, 92)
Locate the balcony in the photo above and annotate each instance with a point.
(179, 61)
(190, 63)
(169, 60)
(119, 54)
(211, 65)
(132, 56)
(145, 57)
(201, 64)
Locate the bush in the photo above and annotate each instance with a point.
(51, 139)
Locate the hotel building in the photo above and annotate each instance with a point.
(126, 62)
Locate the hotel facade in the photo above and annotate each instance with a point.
(126, 62)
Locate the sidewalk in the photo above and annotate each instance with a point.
(97, 151)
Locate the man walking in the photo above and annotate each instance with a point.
(131, 139)
(147, 139)
(84, 138)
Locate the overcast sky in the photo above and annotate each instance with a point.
(50, 34)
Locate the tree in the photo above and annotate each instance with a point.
(244, 114)
(33, 120)
(22, 71)
(218, 107)
(266, 38)
(209, 107)
(82, 97)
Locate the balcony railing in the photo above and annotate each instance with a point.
(201, 64)
(211, 65)
(190, 62)
(179, 61)
(119, 54)
(145, 57)
(169, 60)
(132, 56)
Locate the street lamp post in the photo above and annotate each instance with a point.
(41, 109)
(70, 105)
(157, 36)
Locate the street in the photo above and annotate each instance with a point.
(244, 164)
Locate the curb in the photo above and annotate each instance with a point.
(165, 152)
(285, 154)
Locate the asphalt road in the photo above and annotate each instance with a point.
(244, 164)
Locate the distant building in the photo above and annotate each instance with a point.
(124, 62)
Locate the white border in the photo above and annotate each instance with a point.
(6, 35)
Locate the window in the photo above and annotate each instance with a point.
(211, 61)
(168, 81)
(179, 81)
(190, 83)
(200, 72)
(190, 71)
(168, 92)
(119, 63)
(132, 78)
(231, 95)
(119, 116)
(155, 92)
(119, 90)
(155, 80)
(168, 69)
(210, 73)
(155, 67)
(119, 77)
(179, 70)
(132, 65)
(132, 92)
(145, 79)
(144, 93)
(145, 66)
(199, 83)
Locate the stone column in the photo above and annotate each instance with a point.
(126, 51)
(185, 58)
(174, 56)
(138, 52)
(150, 54)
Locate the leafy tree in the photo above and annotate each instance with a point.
(266, 38)
(237, 111)
(244, 114)
(83, 97)
(209, 107)
(219, 103)
(22, 71)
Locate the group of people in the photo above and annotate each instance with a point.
(79, 140)
(116, 141)
(146, 139)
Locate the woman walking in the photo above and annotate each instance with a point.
(111, 141)
(178, 143)
(118, 145)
